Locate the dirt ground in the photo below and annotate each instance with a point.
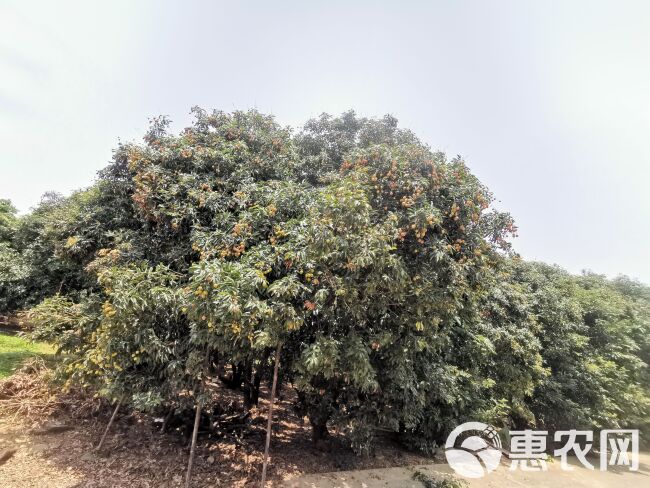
(403, 477)
(52, 438)
(136, 454)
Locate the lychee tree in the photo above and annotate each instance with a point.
(377, 264)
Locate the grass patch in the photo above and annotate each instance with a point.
(442, 482)
(14, 350)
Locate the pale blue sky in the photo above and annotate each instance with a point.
(548, 101)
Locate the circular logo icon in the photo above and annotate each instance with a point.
(478, 454)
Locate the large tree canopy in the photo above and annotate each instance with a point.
(377, 264)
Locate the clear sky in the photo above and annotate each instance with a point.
(548, 101)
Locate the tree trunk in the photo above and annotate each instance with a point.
(253, 381)
(235, 380)
(319, 430)
(278, 392)
(166, 420)
(248, 385)
(255, 390)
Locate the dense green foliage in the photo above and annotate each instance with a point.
(13, 268)
(595, 341)
(377, 264)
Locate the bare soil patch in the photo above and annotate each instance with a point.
(54, 436)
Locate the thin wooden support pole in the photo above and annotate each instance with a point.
(269, 424)
(110, 422)
(197, 421)
(195, 433)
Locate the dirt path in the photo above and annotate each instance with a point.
(580, 477)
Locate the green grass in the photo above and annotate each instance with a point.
(15, 350)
